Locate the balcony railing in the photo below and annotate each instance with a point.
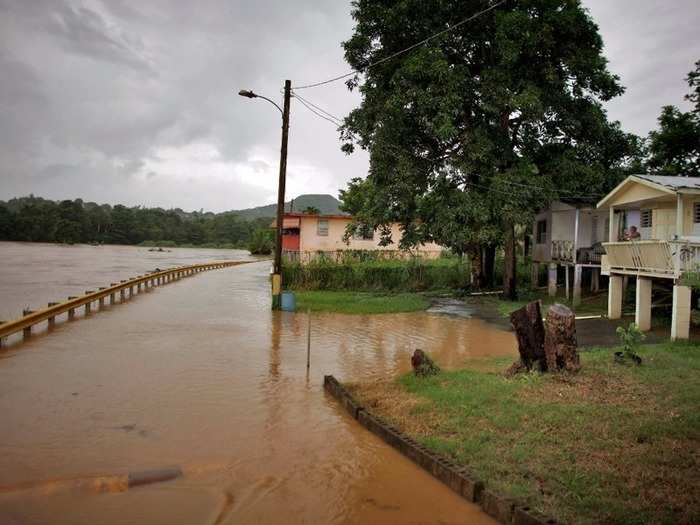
(563, 251)
(653, 258)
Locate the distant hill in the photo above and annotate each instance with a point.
(327, 204)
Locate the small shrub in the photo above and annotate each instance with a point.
(630, 338)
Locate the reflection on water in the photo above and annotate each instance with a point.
(203, 376)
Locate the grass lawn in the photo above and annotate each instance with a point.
(591, 305)
(360, 302)
(613, 444)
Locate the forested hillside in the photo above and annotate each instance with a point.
(37, 219)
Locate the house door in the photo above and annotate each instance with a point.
(664, 224)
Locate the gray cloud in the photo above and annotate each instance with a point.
(135, 102)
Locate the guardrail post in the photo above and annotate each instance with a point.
(52, 319)
(71, 312)
(88, 306)
(27, 332)
(131, 292)
(101, 300)
(122, 295)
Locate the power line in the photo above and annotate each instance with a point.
(548, 189)
(302, 99)
(402, 51)
(336, 121)
(337, 124)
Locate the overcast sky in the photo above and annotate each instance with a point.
(135, 102)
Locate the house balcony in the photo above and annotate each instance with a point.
(563, 252)
(667, 259)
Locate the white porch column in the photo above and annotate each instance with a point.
(680, 319)
(566, 278)
(595, 279)
(679, 215)
(642, 311)
(552, 280)
(615, 297)
(577, 284)
(612, 231)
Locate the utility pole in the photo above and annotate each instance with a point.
(277, 271)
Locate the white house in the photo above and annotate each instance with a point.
(666, 211)
(569, 235)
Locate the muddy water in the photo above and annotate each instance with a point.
(32, 274)
(200, 374)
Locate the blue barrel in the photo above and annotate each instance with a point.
(289, 302)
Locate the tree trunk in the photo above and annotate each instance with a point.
(560, 346)
(509, 272)
(526, 245)
(489, 263)
(476, 266)
(529, 331)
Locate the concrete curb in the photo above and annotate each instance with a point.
(457, 478)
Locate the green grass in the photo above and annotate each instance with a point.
(593, 305)
(612, 444)
(360, 302)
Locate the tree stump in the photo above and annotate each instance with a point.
(422, 364)
(529, 331)
(560, 346)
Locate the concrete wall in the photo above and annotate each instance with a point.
(312, 242)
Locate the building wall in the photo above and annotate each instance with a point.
(561, 222)
(312, 242)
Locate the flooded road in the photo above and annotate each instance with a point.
(32, 274)
(201, 374)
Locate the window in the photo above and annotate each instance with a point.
(541, 232)
(322, 228)
(645, 220)
(363, 233)
(696, 212)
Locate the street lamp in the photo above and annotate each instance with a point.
(277, 271)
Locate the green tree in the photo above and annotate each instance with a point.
(674, 149)
(311, 210)
(262, 242)
(469, 133)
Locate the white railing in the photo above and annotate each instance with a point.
(563, 251)
(654, 258)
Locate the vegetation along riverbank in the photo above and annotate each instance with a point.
(612, 444)
(412, 275)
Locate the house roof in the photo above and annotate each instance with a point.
(293, 219)
(662, 183)
(674, 183)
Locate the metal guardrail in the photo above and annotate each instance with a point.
(156, 278)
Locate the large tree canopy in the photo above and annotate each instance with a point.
(674, 149)
(472, 131)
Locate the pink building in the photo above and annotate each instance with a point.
(304, 236)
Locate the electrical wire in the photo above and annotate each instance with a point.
(337, 124)
(547, 189)
(336, 121)
(402, 51)
(302, 99)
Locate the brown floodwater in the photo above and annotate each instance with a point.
(201, 375)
